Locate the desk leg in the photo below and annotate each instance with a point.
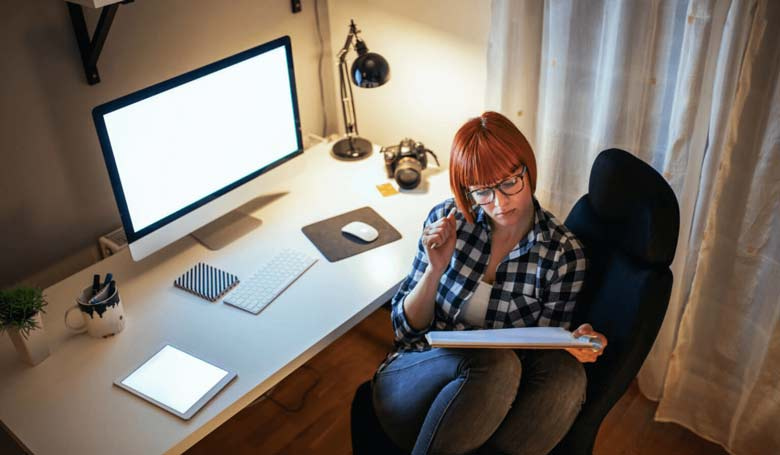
(9, 443)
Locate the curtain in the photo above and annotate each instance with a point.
(693, 88)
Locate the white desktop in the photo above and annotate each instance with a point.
(68, 403)
(51, 408)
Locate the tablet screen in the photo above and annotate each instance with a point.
(174, 378)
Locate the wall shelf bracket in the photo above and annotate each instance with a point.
(90, 48)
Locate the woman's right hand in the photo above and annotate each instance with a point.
(438, 239)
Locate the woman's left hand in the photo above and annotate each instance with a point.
(587, 354)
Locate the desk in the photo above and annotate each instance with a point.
(67, 403)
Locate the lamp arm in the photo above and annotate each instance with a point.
(342, 55)
(347, 102)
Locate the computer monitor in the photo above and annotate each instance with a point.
(180, 152)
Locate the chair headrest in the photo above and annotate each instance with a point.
(628, 192)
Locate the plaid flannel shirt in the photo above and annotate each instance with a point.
(536, 284)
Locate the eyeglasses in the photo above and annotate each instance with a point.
(508, 187)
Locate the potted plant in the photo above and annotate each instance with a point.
(21, 311)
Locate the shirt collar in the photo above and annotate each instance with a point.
(541, 228)
(538, 233)
(482, 218)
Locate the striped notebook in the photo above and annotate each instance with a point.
(206, 281)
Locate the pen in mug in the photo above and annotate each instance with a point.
(95, 284)
(104, 286)
(108, 285)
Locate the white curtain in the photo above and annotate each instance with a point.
(693, 88)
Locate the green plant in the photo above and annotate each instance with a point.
(18, 307)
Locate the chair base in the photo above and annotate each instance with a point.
(368, 438)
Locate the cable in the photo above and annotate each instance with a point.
(299, 406)
(261, 398)
(316, 137)
(319, 70)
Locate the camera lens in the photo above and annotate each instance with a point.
(408, 172)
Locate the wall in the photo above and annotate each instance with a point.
(437, 53)
(55, 197)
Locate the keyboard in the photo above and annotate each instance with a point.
(263, 286)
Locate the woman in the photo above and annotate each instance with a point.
(490, 258)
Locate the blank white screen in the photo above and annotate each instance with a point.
(175, 378)
(181, 145)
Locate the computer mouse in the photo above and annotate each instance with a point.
(361, 230)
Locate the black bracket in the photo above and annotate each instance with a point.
(90, 48)
(296, 6)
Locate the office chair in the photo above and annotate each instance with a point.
(629, 223)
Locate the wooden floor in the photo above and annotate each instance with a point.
(321, 426)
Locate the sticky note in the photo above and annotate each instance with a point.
(386, 189)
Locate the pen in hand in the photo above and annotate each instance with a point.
(449, 215)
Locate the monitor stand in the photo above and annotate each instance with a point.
(234, 224)
(223, 230)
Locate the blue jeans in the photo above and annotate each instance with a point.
(452, 401)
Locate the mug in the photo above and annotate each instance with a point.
(101, 319)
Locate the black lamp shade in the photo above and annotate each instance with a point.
(370, 70)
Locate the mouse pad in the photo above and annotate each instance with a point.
(326, 235)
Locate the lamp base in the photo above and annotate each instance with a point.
(352, 148)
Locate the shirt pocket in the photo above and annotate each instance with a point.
(524, 311)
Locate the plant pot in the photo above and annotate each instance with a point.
(35, 347)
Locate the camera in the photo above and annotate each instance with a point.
(404, 162)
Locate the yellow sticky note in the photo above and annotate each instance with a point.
(386, 189)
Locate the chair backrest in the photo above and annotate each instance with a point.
(629, 223)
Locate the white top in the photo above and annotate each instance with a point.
(476, 306)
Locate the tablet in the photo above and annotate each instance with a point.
(176, 381)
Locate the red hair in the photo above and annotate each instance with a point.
(485, 150)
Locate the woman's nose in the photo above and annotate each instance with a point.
(500, 198)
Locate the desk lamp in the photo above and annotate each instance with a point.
(369, 70)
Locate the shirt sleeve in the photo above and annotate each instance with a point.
(565, 287)
(405, 334)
